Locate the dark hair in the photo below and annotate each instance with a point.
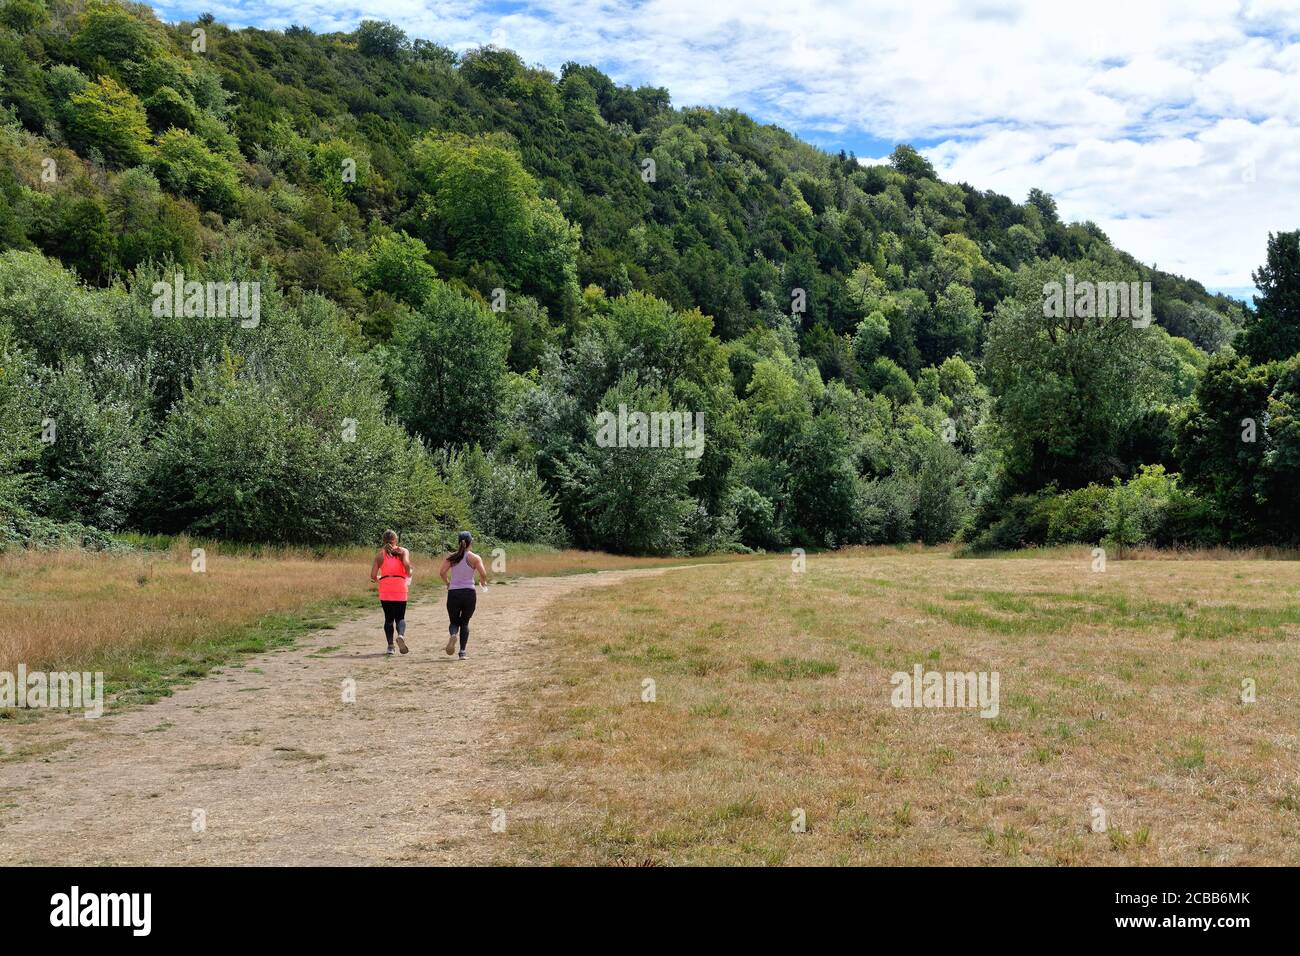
(462, 545)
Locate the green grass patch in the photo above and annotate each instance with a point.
(145, 674)
(1046, 612)
(792, 668)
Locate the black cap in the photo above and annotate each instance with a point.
(464, 536)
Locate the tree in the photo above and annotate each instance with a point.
(941, 497)
(956, 378)
(494, 70)
(508, 502)
(888, 378)
(625, 499)
(52, 316)
(822, 485)
(110, 118)
(957, 325)
(872, 333)
(22, 83)
(531, 332)
(381, 38)
(186, 165)
(450, 374)
(20, 431)
(479, 192)
(340, 168)
(110, 32)
(166, 109)
(1045, 205)
(397, 264)
(1021, 245)
(24, 16)
(1272, 331)
(150, 225)
(73, 226)
(1280, 487)
(1066, 389)
(908, 312)
(487, 204)
(294, 445)
(1201, 325)
(909, 162)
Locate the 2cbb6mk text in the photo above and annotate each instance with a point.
(1194, 897)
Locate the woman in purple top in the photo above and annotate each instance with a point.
(457, 572)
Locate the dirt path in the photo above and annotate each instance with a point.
(283, 770)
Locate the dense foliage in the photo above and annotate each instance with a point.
(463, 260)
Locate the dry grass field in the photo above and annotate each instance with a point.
(1120, 694)
(1120, 700)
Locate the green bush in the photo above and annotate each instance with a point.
(44, 534)
(1023, 522)
(507, 502)
(1138, 508)
(293, 444)
(942, 503)
(395, 263)
(1079, 516)
(1152, 508)
(756, 520)
(885, 509)
(93, 469)
(150, 225)
(51, 314)
(20, 429)
(872, 333)
(23, 15)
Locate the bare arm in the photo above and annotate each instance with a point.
(374, 568)
(444, 572)
(406, 561)
(482, 571)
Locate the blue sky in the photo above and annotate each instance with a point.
(1173, 125)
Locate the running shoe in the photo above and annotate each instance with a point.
(451, 644)
(401, 644)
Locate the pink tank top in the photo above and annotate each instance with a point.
(392, 579)
(462, 573)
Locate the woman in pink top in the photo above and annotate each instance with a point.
(391, 570)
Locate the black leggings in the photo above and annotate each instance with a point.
(460, 608)
(394, 615)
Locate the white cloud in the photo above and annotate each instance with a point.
(1142, 116)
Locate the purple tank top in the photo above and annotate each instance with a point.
(462, 574)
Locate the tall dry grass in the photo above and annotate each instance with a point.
(66, 609)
